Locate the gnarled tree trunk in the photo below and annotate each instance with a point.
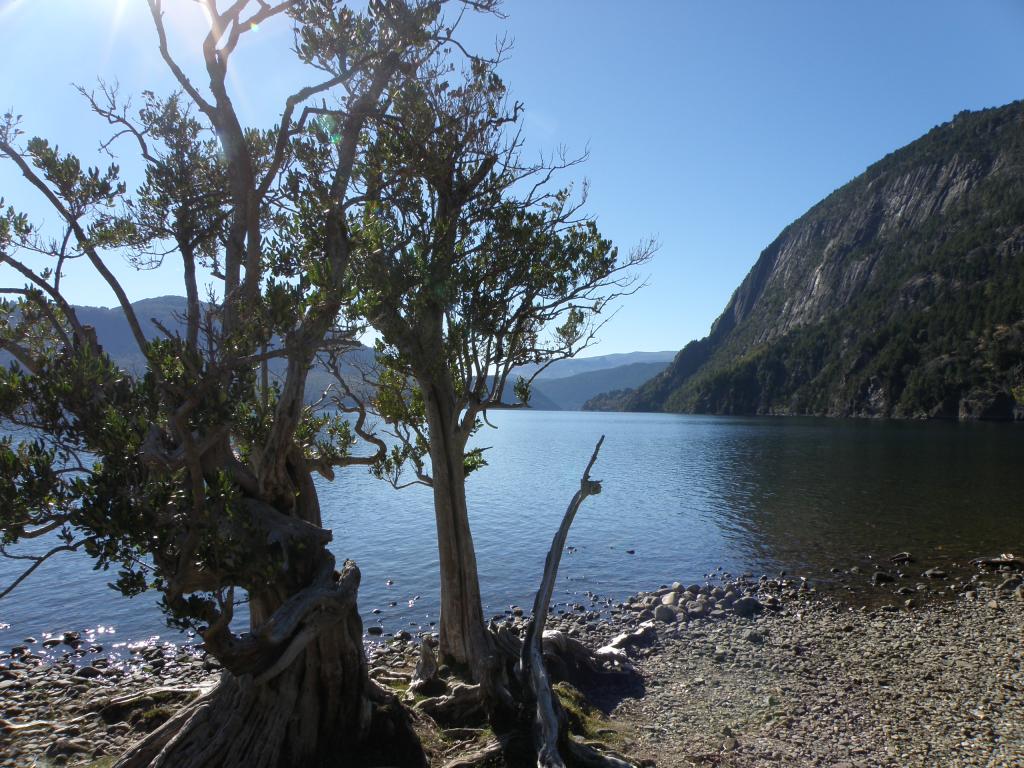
(299, 695)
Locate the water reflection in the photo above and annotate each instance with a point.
(684, 494)
(818, 494)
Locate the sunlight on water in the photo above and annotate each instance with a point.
(685, 494)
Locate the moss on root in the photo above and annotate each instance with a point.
(150, 719)
(588, 722)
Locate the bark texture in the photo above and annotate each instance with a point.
(312, 705)
(550, 725)
(464, 640)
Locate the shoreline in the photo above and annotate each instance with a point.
(766, 672)
(820, 684)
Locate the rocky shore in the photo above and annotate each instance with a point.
(736, 672)
(816, 683)
(64, 701)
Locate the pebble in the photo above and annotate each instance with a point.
(942, 685)
(65, 702)
(788, 677)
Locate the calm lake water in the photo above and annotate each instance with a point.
(686, 494)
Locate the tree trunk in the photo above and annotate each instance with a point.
(465, 641)
(312, 705)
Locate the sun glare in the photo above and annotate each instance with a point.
(8, 7)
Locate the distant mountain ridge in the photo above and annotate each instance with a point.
(901, 294)
(577, 365)
(571, 392)
(564, 385)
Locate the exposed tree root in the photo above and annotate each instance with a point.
(490, 751)
(240, 723)
(389, 678)
(116, 708)
(570, 661)
(310, 704)
(464, 705)
(587, 756)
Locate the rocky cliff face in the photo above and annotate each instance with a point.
(900, 294)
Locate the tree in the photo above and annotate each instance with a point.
(471, 265)
(196, 477)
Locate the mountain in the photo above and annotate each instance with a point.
(167, 312)
(115, 336)
(539, 401)
(569, 393)
(899, 295)
(564, 385)
(577, 365)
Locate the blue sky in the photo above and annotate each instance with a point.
(710, 125)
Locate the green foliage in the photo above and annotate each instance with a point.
(468, 265)
(938, 323)
(521, 390)
(192, 472)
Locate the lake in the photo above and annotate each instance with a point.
(683, 496)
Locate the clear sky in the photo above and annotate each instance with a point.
(710, 125)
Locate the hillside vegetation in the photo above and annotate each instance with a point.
(899, 295)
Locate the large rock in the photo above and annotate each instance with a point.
(666, 614)
(753, 636)
(67, 747)
(747, 607)
(1009, 584)
(641, 637)
(696, 609)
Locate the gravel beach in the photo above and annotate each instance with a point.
(85, 708)
(819, 684)
(756, 673)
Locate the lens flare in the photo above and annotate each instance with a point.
(8, 7)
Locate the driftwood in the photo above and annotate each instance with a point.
(568, 659)
(550, 733)
(534, 725)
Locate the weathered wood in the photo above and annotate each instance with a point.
(312, 704)
(424, 677)
(465, 704)
(568, 659)
(490, 751)
(550, 723)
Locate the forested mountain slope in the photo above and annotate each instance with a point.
(901, 294)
